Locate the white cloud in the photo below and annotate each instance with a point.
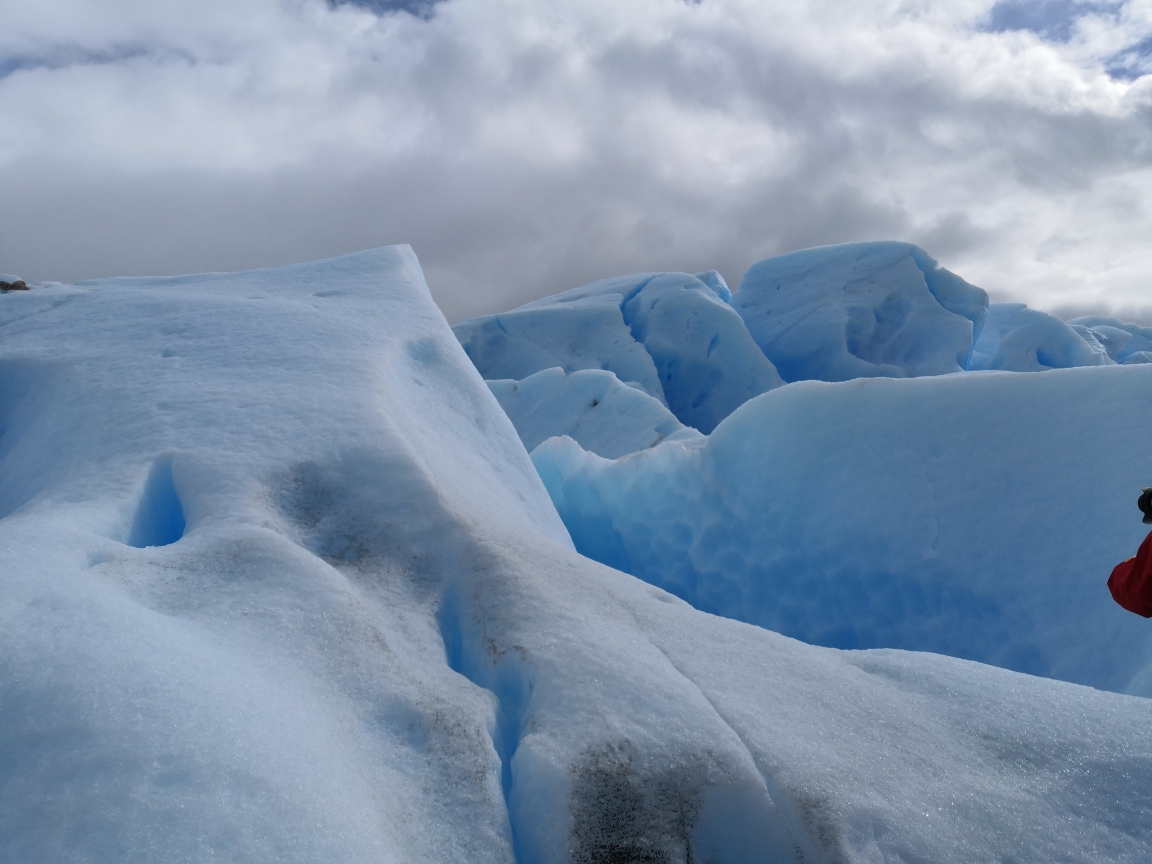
(524, 147)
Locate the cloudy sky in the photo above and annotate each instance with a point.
(527, 146)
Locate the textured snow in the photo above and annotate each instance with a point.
(860, 310)
(704, 360)
(353, 628)
(590, 406)
(1018, 339)
(977, 516)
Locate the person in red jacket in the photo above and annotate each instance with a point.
(1131, 580)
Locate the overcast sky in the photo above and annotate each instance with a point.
(523, 148)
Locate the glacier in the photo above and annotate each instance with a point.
(590, 406)
(1019, 339)
(671, 333)
(860, 310)
(279, 582)
(972, 515)
(835, 313)
(962, 511)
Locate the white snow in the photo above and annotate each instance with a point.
(278, 583)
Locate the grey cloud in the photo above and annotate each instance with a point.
(1141, 315)
(486, 242)
(627, 158)
(62, 56)
(420, 8)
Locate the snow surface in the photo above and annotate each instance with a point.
(278, 583)
(592, 407)
(860, 310)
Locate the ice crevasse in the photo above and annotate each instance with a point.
(278, 582)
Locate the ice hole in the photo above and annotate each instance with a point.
(160, 517)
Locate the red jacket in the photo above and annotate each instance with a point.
(1131, 581)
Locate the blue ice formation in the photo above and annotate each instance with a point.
(834, 313)
(1018, 339)
(581, 333)
(715, 281)
(671, 333)
(860, 310)
(971, 515)
(592, 407)
(1123, 341)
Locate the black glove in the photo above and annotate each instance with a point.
(1145, 505)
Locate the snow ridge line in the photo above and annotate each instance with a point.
(806, 853)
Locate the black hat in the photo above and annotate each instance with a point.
(1145, 505)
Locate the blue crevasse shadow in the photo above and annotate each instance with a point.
(160, 517)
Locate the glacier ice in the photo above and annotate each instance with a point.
(1018, 339)
(571, 336)
(1122, 340)
(694, 345)
(860, 310)
(371, 639)
(715, 281)
(709, 366)
(976, 516)
(590, 406)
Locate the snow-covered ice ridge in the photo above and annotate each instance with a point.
(975, 515)
(279, 583)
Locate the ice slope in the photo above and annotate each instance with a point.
(278, 583)
(860, 310)
(704, 362)
(977, 516)
(590, 406)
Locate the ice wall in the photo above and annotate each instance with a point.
(1018, 339)
(590, 406)
(671, 327)
(860, 310)
(977, 516)
(1123, 341)
(570, 336)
